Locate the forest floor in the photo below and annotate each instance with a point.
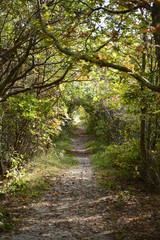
(77, 208)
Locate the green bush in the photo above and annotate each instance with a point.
(34, 177)
(120, 161)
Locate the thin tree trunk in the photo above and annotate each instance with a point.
(1, 167)
(155, 138)
(149, 127)
(156, 25)
(142, 143)
(143, 127)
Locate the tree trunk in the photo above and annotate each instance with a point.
(149, 127)
(156, 25)
(1, 167)
(142, 143)
(155, 137)
(143, 150)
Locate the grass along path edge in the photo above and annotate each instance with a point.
(31, 182)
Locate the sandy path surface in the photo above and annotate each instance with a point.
(75, 209)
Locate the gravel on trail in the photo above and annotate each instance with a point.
(74, 209)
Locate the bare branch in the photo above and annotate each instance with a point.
(43, 86)
(140, 5)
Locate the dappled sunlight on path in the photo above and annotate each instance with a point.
(73, 209)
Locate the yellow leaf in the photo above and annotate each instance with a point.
(140, 48)
(109, 46)
(127, 58)
(133, 71)
(100, 56)
(152, 29)
(144, 30)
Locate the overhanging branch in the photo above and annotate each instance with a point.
(94, 59)
(35, 87)
(140, 5)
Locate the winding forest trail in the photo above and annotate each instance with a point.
(75, 209)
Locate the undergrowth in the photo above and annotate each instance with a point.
(33, 179)
(115, 165)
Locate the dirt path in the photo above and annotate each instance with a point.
(75, 209)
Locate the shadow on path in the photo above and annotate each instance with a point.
(74, 209)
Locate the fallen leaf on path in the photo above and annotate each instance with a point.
(91, 208)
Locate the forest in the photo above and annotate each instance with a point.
(93, 64)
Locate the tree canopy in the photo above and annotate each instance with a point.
(87, 64)
(42, 42)
(102, 55)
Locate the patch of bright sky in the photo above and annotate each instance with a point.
(107, 2)
(102, 24)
